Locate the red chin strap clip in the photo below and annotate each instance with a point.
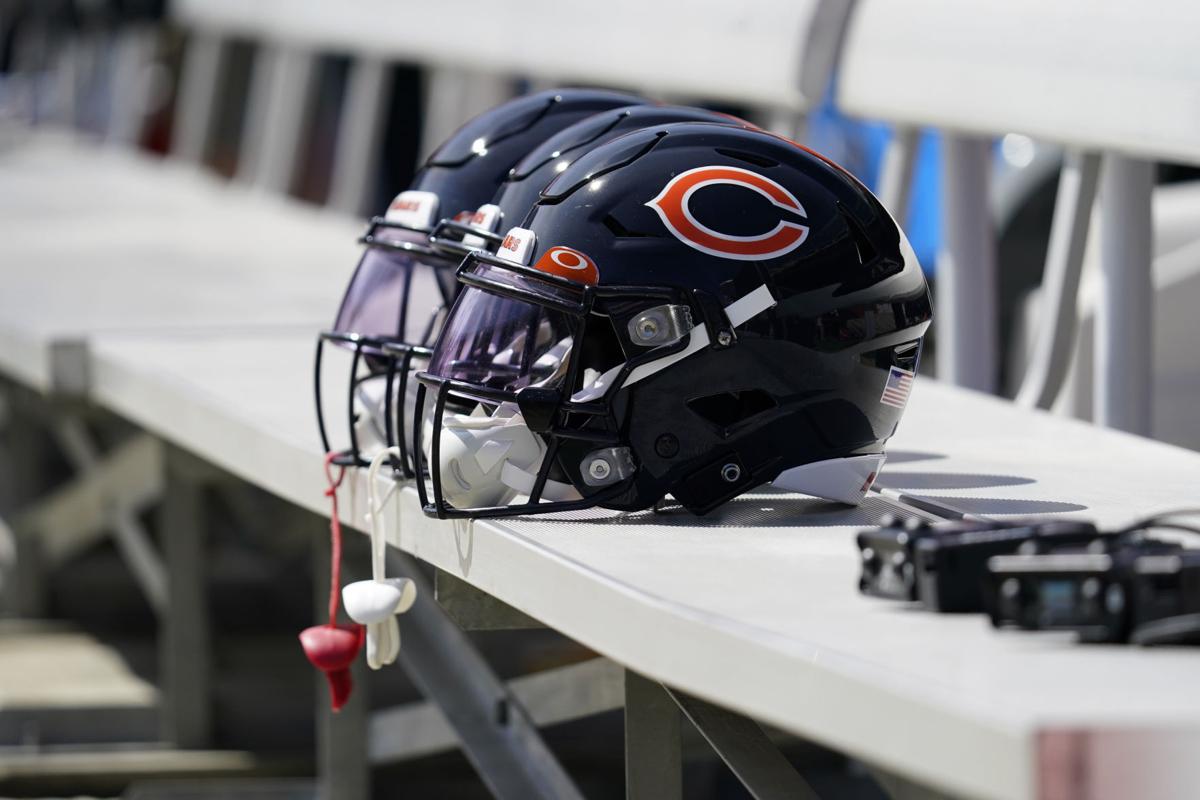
(332, 648)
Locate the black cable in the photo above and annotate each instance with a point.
(1173, 526)
(1163, 516)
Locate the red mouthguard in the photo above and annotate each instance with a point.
(332, 649)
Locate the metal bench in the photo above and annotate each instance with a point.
(163, 231)
(758, 599)
(755, 608)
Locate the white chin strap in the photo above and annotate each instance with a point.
(376, 602)
(489, 460)
(371, 426)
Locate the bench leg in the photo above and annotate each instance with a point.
(103, 497)
(25, 590)
(118, 502)
(342, 769)
(496, 731)
(895, 180)
(1124, 312)
(746, 750)
(184, 639)
(653, 758)
(550, 697)
(22, 589)
(968, 353)
(1050, 358)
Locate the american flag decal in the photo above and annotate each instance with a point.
(895, 391)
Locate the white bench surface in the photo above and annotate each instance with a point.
(1102, 75)
(755, 606)
(93, 239)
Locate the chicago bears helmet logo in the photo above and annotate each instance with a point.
(672, 206)
(569, 263)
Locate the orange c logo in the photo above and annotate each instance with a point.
(671, 204)
(569, 263)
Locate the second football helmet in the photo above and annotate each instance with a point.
(402, 286)
(524, 182)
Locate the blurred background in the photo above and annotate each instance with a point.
(247, 94)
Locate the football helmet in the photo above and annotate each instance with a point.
(402, 286)
(691, 309)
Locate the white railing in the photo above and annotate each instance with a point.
(1115, 83)
(761, 52)
(769, 54)
(1112, 82)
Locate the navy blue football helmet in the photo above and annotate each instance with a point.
(691, 309)
(524, 182)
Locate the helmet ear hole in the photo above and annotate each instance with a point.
(727, 409)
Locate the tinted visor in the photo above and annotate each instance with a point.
(394, 293)
(504, 343)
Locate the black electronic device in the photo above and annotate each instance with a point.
(887, 554)
(943, 566)
(951, 567)
(1165, 596)
(1104, 591)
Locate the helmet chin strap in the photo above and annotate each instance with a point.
(489, 460)
(376, 602)
(523, 480)
(371, 427)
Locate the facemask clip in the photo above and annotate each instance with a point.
(660, 325)
(607, 466)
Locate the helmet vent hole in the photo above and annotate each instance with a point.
(728, 409)
(749, 158)
(620, 231)
(862, 243)
(906, 355)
